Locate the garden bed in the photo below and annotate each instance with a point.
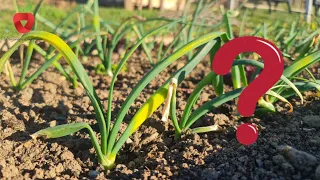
(154, 153)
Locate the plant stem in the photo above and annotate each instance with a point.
(102, 158)
(11, 75)
(26, 62)
(195, 17)
(194, 97)
(15, 6)
(96, 24)
(173, 114)
(212, 104)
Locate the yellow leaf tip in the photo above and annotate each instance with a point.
(36, 135)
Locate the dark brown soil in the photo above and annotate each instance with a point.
(154, 153)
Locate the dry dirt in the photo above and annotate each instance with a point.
(288, 146)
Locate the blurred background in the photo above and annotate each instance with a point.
(296, 5)
(115, 11)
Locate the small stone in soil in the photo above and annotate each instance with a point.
(131, 164)
(78, 91)
(312, 121)
(259, 163)
(93, 174)
(66, 155)
(288, 168)
(10, 171)
(299, 159)
(60, 118)
(317, 176)
(51, 173)
(278, 159)
(221, 119)
(210, 173)
(72, 166)
(32, 113)
(90, 108)
(59, 168)
(52, 123)
(185, 165)
(39, 174)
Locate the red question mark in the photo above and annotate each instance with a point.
(273, 68)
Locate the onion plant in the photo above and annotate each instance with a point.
(299, 43)
(288, 85)
(189, 118)
(51, 57)
(68, 29)
(295, 40)
(23, 81)
(284, 89)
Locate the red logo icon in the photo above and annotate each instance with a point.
(247, 134)
(273, 69)
(18, 17)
